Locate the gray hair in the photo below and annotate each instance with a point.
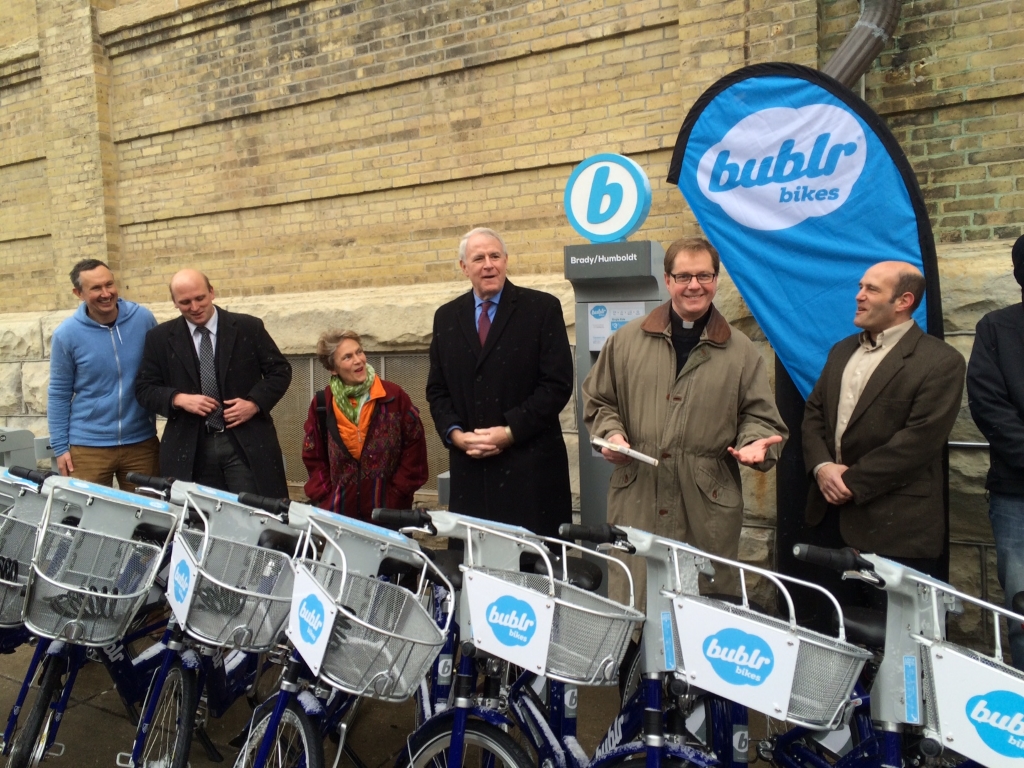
(328, 343)
(474, 233)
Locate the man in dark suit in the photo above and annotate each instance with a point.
(215, 375)
(500, 374)
(877, 422)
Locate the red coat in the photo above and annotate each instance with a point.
(392, 467)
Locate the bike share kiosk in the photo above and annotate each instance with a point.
(614, 280)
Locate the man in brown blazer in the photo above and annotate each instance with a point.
(876, 423)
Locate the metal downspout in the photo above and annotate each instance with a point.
(871, 33)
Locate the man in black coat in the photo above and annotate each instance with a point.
(995, 393)
(500, 374)
(215, 375)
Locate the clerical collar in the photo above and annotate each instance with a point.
(690, 325)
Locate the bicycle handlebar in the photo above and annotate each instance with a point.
(401, 518)
(34, 475)
(159, 484)
(267, 504)
(596, 534)
(845, 559)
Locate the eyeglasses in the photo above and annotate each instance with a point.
(684, 278)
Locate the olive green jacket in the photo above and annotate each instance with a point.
(720, 398)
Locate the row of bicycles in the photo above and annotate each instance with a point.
(306, 613)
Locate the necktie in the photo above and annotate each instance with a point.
(484, 323)
(208, 377)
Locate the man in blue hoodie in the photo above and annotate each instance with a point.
(97, 427)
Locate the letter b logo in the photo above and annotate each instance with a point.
(607, 198)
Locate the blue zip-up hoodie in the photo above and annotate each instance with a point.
(92, 380)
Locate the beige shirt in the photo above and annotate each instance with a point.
(862, 363)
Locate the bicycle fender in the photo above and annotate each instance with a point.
(310, 704)
(190, 659)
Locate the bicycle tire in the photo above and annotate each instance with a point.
(298, 743)
(169, 738)
(629, 672)
(427, 747)
(29, 741)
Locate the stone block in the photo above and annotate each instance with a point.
(35, 424)
(975, 279)
(35, 378)
(10, 389)
(968, 509)
(20, 336)
(758, 494)
(48, 324)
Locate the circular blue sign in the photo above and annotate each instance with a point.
(607, 198)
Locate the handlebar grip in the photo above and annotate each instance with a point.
(1018, 603)
(596, 534)
(267, 504)
(35, 475)
(160, 484)
(845, 559)
(401, 518)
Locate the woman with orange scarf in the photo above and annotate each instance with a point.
(365, 448)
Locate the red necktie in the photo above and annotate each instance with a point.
(484, 323)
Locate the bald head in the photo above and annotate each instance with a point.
(889, 293)
(193, 295)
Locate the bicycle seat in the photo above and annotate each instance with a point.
(582, 573)
(279, 541)
(151, 533)
(864, 626)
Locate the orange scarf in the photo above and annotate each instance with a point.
(354, 435)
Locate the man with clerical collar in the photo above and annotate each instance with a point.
(876, 424)
(685, 387)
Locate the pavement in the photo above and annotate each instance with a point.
(95, 727)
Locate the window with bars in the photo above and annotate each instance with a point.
(409, 371)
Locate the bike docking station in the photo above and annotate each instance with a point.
(614, 280)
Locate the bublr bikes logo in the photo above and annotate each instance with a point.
(311, 618)
(739, 658)
(780, 166)
(512, 621)
(599, 311)
(998, 717)
(182, 579)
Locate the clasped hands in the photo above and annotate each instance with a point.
(237, 410)
(830, 481)
(481, 443)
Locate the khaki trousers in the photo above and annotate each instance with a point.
(101, 465)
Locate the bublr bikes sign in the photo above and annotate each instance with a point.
(801, 187)
(508, 621)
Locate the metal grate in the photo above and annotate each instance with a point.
(409, 371)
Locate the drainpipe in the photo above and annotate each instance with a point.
(869, 36)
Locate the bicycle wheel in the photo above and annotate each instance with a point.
(485, 745)
(170, 732)
(629, 672)
(297, 744)
(29, 742)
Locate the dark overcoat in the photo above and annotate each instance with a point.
(521, 378)
(893, 445)
(249, 365)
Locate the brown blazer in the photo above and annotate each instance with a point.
(893, 445)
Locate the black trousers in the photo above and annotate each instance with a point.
(220, 463)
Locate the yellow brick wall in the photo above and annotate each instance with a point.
(17, 21)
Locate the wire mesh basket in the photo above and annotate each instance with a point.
(826, 668)
(242, 592)
(383, 640)
(589, 633)
(86, 585)
(17, 543)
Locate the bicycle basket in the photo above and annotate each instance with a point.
(17, 542)
(86, 586)
(589, 633)
(978, 703)
(241, 595)
(767, 664)
(382, 641)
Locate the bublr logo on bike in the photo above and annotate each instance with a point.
(311, 618)
(512, 621)
(998, 717)
(182, 580)
(739, 658)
